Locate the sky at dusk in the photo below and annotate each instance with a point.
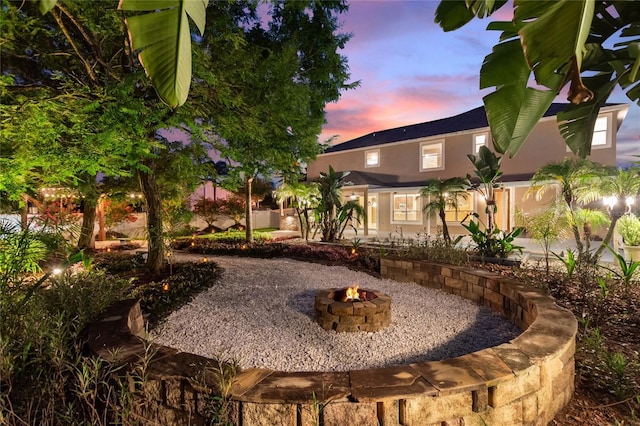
(411, 71)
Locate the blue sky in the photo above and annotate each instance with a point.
(411, 71)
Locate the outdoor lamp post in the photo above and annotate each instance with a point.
(611, 202)
(616, 212)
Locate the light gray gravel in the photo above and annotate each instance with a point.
(262, 314)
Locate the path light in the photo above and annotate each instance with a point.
(56, 271)
(205, 260)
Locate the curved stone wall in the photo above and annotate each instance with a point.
(524, 382)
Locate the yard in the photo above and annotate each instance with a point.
(608, 311)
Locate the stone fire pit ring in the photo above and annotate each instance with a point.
(371, 313)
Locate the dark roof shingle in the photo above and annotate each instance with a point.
(473, 119)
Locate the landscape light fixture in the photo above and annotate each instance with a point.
(611, 201)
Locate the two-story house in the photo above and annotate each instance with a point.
(389, 167)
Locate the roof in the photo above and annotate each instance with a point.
(473, 119)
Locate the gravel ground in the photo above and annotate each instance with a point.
(261, 313)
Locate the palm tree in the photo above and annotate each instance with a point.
(332, 215)
(622, 185)
(444, 194)
(576, 180)
(305, 198)
(487, 169)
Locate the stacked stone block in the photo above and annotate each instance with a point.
(353, 316)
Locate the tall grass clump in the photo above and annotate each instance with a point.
(45, 377)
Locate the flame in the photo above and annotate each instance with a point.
(352, 293)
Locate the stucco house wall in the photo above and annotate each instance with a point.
(398, 171)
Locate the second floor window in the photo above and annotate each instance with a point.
(372, 158)
(431, 156)
(600, 133)
(478, 141)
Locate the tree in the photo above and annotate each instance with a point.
(545, 227)
(559, 42)
(210, 211)
(332, 214)
(620, 186)
(305, 197)
(166, 59)
(51, 136)
(278, 81)
(444, 194)
(78, 54)
(576, 180)
(487, 169)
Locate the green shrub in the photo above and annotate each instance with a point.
(45, 377)
(629, 228)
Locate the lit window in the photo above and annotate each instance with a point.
(431, 156)
(372, 158)
(406, 208)
(465, 208)
(600, 132)
(479, 140)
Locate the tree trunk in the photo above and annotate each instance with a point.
(491, 212)
(249, 225)
(24, 213)
(445, 229)
(607, 238)
(88, 222)
(149, 187)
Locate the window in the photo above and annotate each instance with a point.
(478, 141)
(600, 133)
(431, 156)
(372, 158)
(406, 208)
(465, 208)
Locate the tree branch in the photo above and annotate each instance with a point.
(88, 67)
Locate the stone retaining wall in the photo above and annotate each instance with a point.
(523, 382)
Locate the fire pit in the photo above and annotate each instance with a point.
(352, 309)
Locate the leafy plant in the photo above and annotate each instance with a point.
(627, 270)
(493, 243)
(20, 250)
(217, 401)
(45, 377)
(570, 261)
(546, 228)
(629, 229)
(305, 198)
(332, 214)
(604, 289)
(117, 212)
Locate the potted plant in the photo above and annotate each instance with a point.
(629, 229)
